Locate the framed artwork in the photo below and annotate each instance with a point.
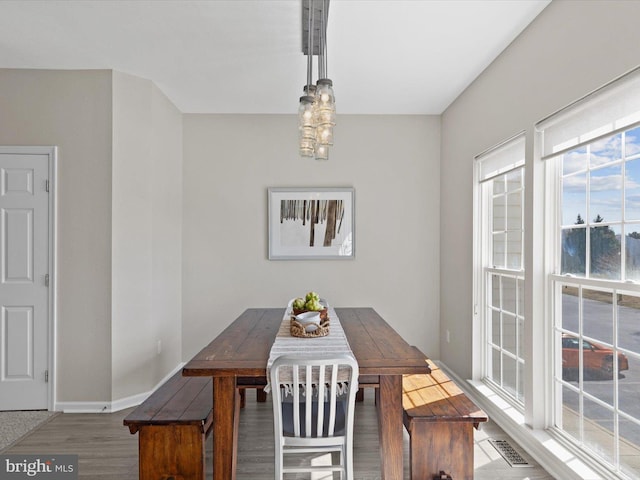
(311, 223)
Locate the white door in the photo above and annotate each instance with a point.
(24, 263)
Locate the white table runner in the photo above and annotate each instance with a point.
(286, 344)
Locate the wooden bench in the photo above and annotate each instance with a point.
(173, 424)
(440, 419)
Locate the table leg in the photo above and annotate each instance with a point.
(390, 426)
(224, 422)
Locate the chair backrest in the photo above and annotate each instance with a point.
(314, 397)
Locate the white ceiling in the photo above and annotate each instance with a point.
(244, 56)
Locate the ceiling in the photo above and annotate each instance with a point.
(245, 56)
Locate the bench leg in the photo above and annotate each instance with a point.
(171, 452)
(261, 395)
(436, 446)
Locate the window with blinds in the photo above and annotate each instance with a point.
(499, 242)
(592, 151)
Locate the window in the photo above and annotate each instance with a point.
(500, 278)
(592, 150)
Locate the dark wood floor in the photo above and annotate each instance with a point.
(108, 451)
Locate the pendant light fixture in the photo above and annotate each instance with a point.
(317, 110)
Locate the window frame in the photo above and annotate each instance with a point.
(548, 157)
(482, 252)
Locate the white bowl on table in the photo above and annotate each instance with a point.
(309, 320)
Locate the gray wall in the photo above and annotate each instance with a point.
(231, 160)
(571, 48)
(119, 224)
(146, 233)
(73, 111)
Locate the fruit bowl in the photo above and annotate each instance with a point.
(310, 329)
(323, 312)
(297, 311)
(310, 303)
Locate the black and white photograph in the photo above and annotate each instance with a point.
(311, 223)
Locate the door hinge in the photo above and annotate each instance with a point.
(46, 376)
(46, 186)
(46, 280)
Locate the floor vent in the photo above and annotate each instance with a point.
(512, 457)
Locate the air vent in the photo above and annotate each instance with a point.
(512, 457)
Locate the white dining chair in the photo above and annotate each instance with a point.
(313, 407)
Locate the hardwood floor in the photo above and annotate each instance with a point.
(108, 451)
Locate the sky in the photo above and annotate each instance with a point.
(603, 178)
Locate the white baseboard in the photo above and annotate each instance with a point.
(543, 448)
(115, 405)
(82, 407)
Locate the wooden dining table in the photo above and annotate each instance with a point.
(238, 357)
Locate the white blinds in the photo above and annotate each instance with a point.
(501, 158)
(608, 109)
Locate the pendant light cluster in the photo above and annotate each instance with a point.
(317, 111)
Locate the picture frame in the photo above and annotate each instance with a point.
(311, 223)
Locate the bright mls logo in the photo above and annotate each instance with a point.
(51, 467)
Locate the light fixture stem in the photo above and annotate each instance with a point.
(310, 47)
(319, 43)
(325, 15)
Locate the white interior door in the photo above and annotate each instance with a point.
(24, 264)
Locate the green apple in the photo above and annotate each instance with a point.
(312, 296)
(313, 305)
